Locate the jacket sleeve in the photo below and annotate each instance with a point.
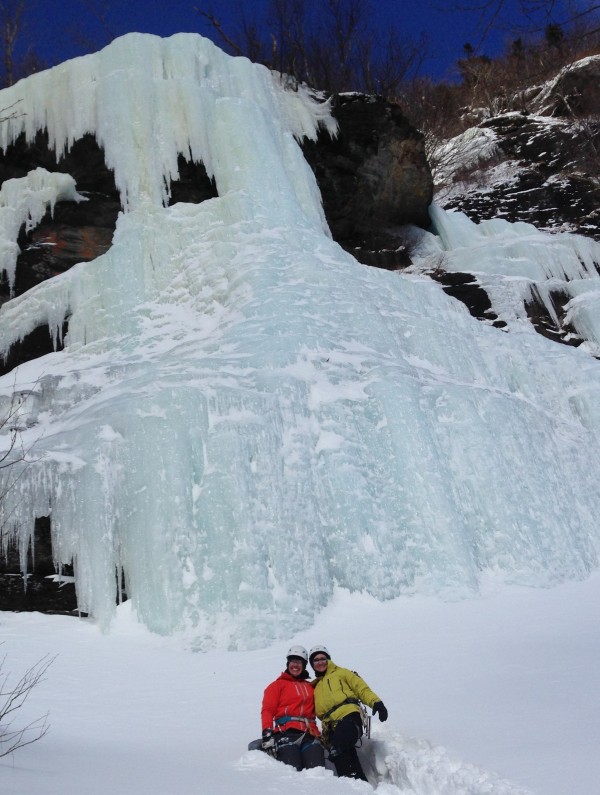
(270, 703)
(361, 689)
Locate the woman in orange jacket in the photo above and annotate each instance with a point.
(289, 725)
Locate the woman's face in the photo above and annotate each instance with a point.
(295, 667)
(319, 663)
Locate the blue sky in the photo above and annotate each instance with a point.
(51, 26)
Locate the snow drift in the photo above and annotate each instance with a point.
(243, 416)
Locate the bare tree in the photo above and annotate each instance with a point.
(12, 424)
(11, 22)
(100, 29)
(15, 455)
(13, 695)
(332, 45)
(17, 58)
(550, 12)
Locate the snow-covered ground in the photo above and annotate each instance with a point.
(491, 695)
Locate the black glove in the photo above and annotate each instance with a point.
(379, 709)
(268, 741)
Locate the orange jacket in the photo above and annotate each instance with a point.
(287, 698)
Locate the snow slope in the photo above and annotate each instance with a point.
(493, 696)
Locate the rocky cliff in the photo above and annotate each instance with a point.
(538, 162)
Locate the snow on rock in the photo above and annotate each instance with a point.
(464, 152)
(539, 169)
(517, 263)
(25, 201)
(574, 89)
(243, 416)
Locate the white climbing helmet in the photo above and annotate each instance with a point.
(298, 651)
(319, 650)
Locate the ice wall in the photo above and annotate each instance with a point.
(243, 416)
(147, 100)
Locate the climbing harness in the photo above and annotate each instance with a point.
(327, 726)
(366, 721)
(296, 719)
(341, 704)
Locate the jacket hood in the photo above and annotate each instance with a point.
(289, 678)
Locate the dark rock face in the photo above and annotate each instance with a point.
(36, 344)
(75, 232)
(551, 146)
(39, 590)
(574, 92)
(373, 177)
(554, 183)
(545, 325)
(545, 171)
(467, 289)
(78, 231)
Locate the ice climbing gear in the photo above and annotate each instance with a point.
(316, 650)
(298, 651)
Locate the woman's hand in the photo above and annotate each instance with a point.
(380, 710)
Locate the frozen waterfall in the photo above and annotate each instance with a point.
(243, 416)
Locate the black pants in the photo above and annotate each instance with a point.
(342, 746)
(300, 750)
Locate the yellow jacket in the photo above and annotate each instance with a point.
(334, 687)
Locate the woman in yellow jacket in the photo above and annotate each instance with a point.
(338, 695)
